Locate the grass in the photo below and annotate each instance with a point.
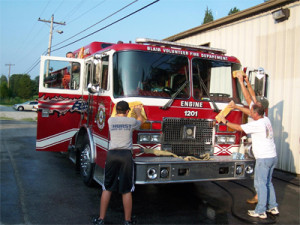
(24, 119)
(29, 119)
(16, 100)
(6, 118)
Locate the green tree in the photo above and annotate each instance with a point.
(233, 10)
(3, 79)
(35, 85)
(14, 83)
(21, 86)
(208, 16)
(25, 87)
(4, 92)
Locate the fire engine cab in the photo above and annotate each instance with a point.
(181, 88)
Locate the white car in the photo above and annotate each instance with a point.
(35, 108)
(29, 105)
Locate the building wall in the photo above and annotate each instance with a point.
(259, 41)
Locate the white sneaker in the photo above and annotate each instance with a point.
(254, 214)
(273, 211)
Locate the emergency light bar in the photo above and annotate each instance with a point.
(180, 45)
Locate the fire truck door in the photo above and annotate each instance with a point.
(60, 102)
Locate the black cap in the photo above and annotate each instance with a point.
(122, 106)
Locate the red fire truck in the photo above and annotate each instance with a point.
(181, 88)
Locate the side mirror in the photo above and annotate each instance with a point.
(259, 80)
(93, 89)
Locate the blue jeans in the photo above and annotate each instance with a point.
(263, 184)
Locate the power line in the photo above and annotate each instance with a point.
(51, 30)
(35, 63)
(96, 23)
(38, 60)
(93, 7)
(33, 66)
(25, 41)
(62, 1)
(74, 9)
(45, 8)
(107, 25)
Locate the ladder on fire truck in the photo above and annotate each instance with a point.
(180, 45)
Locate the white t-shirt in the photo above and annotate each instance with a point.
(121, 129)
(262, 137)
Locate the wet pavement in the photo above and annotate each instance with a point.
(44, 188)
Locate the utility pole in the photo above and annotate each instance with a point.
(50, 36)
(9, 66)
(51, 30)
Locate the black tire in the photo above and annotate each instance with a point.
(87, 168)
(20, 108)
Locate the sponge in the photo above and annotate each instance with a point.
(236, 72)
(224, 112)
(131, 112)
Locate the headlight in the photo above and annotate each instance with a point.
(148, 138)
(222, 139)
(231, 139)
(155, 138)
(144, 138)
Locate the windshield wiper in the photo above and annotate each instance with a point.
(216, 109)
(169, 103)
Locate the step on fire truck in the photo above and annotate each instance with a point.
(181, 88)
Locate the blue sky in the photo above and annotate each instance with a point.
(23, 39)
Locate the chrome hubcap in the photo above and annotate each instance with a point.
(85, 160)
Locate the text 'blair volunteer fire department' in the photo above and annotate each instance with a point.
(181, 89)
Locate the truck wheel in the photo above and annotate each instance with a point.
(20, 108)
(87, 168)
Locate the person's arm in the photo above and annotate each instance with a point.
(244, 110)
(75, 67)
(138, 109)
(231, 125)
(244, 89)
(251, 91)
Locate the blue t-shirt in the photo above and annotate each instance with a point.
(121, 129)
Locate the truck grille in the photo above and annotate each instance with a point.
(175, 140)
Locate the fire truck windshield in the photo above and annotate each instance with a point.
(212, 80)
(149, 74)
(158, 75)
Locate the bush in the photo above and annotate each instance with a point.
(12, 101)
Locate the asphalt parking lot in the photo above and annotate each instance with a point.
(7, 112)
(44, 188)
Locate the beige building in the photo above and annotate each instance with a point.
(268, 36)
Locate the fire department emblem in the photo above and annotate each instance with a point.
(100, 118)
